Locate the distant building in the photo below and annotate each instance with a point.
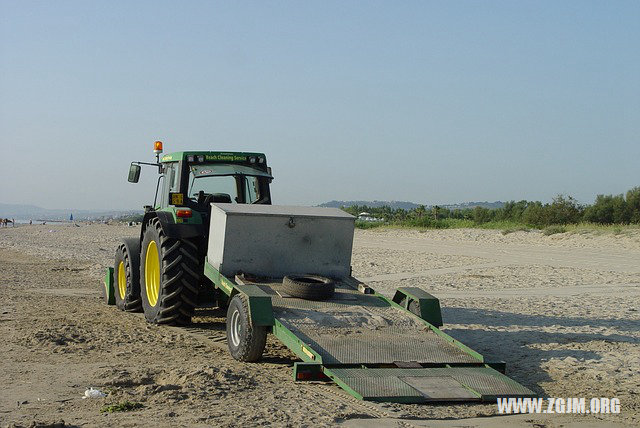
(365, 216)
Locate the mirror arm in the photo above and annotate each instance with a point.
(148, 163)
(155, 198)
(158, 164)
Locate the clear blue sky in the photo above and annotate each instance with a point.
(432, 102)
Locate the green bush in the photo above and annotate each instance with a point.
(564, 210)
(482, 215)
(534, 215)
(633, 205)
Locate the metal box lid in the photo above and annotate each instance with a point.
(282, 210)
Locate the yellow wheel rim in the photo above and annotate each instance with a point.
(122, 280)
(152, 273)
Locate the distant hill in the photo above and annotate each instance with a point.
(411, 205)
(32, 212)
(373, 204)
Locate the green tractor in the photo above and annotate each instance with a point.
(161, 272)
(214, 236)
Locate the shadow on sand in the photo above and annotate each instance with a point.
(520, 350)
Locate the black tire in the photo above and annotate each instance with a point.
(246, 341)
(176, 286)
(127, 270)
(310, 287)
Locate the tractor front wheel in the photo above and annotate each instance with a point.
(126, 276)
(246, 341)
(169, 276)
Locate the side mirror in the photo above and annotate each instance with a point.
(134, 173)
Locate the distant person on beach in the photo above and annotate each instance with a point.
(13, 222)
(30, 222)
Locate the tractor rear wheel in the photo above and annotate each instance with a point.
(246, 341)
(169, 276)
(126, 276)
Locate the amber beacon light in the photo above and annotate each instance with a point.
(157, 147)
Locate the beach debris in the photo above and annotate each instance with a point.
(94, 393)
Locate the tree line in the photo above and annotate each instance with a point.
(563, 210)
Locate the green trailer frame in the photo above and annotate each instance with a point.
(467, 378)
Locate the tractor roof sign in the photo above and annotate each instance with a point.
(212, 156)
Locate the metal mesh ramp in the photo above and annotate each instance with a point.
(427, 384)
(378, 352)
(354, 328)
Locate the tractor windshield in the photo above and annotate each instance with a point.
(226, 183)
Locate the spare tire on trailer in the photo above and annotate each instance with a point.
(310, 287)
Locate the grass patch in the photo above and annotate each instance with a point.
(506, 226)
(552, 230)
(123, 406)
(360, 224)
(599, 229)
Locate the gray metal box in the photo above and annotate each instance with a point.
(278, 240)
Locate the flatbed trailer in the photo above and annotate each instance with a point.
(373, 347)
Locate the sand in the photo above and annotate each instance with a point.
(563, 311)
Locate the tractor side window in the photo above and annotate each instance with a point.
(173, 179)
(251, 189)
(170, 182)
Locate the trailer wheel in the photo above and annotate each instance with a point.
(126, 276)
(311, 287)
(169, 276)
(246, 341)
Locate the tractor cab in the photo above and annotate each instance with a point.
(195, 179)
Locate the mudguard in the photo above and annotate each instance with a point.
(171, 228)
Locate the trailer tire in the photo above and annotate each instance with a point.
(310, 287)
(126, 276)
(246, 341)
(169, 276)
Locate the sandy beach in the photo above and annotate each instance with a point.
(563, 311)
